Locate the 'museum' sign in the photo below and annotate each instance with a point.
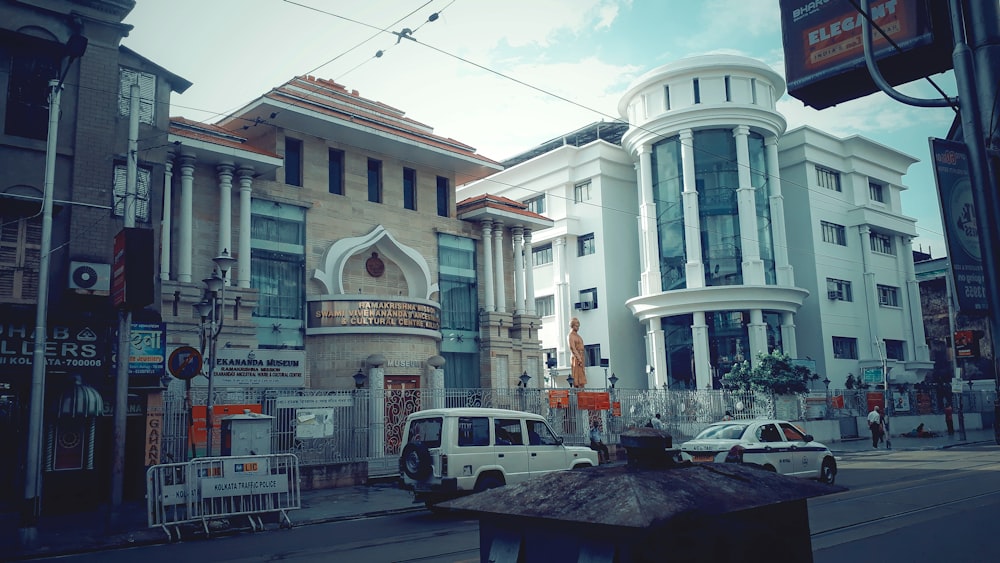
(331, 316)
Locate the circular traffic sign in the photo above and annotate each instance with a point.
(184, 363)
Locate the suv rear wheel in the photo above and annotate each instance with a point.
(489, 481)
(416, 461)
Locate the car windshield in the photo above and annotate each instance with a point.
(732, 431)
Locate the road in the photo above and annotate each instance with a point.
(936, 505)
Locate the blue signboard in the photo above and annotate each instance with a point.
(147, 350)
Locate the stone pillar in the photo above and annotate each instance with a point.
(648, 235)
(489, 296)
(694, 268)
(529, 274)
(757, 333)
(185, 237)
(498, 272)
(746, 202)
(245, 174)
(376, 405)
(224, 172)
(519, 304)
(562, 302)
(436, 365)
(165, 222)
(779, 236)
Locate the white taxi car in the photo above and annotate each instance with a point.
(775, 445)
(449, 452)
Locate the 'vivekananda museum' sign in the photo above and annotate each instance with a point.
(345, 315)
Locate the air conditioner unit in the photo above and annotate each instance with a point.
(835, 295)
(584, 305)
(90, 276)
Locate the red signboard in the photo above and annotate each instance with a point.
(559, 398)
(966, 344)
(593, 400)
(198, 434)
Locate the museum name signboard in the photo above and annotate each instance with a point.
(347, 315)
(263, 367)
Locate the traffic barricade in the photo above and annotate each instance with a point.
(204, 490)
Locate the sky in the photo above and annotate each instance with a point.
(504, 76)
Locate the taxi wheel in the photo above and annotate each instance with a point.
(828, 471)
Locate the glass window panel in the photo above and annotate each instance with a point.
(667, 189)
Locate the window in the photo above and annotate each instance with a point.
(410, 188)
(888, 296)
(545, 306)
(336, 172)
(541, 255)
(894, 350)
(593, 354)
(277, 272)
(374, 180)
(845, 348)
(666, 98)
(141, 192)
(834, 233)
(829, 179)
(876, 192)
(147, 93)
(536, 204)
(585, 245)
(881, 243)
(509, 432)
(443, 196)
(32, 64)
(472, 431)
(697, 91)
(753, 91)
(588, 299)
(20, 248)
(838, 290)
(293, 162)
(729, 90)
(581, 192)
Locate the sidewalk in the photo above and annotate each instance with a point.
(92, 531)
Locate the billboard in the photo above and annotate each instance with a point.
(824, 51)
(961, 231)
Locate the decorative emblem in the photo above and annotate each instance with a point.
(375, 266)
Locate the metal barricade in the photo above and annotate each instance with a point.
(207, 490)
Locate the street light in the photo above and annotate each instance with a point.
(524, 377)
(605, 362)
(212, 310)
(613, 380)
(569, 380)
(359, 379)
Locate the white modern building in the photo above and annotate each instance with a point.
(710, 229)
(585, 265)
(853, 245)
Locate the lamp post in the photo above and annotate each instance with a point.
(212, 310)
(826, 383)
(613, 380)
(605, 362)
(359, 379)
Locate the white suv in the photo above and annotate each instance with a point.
(453, 451)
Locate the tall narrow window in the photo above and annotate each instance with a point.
(409, 188)
(753, 91)
(876, 191)
(586, 245)
(141, 192)
(277, 272)
(697, 91)
(147, 93)
(374, 180)
(20, 247)
(443, 196)
(336, 172)
(666, 98)
(293, 162)
(729, 89)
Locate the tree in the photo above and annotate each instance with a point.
(774, 373)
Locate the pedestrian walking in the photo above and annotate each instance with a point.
(947, 419)
(875, 425)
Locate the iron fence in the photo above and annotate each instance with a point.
(323, 427)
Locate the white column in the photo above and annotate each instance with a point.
(917, 338)
(650, 277)
(788, 341)
(245, 174)
(224, 172)
(563, 310)
(376, 390)
(168, 209)
(657, 354)
(498, 271)
(185, 235)
(489, 297)
(757, 334)
(702, 359)
(871, 295)
(746, 203)
(519, 305)
(529, 274)
(694, 268)
(779, 236)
